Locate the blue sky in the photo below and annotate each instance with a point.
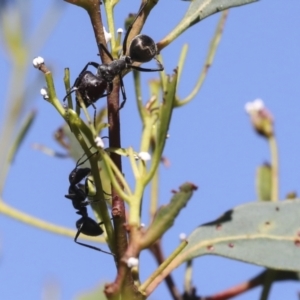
(211, 144)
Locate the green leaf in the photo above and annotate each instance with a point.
(21, 135)
(264, 182)
(261, 233)
(197, 11)
(200, 9)
(165, 216)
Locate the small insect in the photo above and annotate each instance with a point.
(92, 86)
(77, 195)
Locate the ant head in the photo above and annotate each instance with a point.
(142, 48)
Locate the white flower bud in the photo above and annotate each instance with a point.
(99, 142)
(120, 30)
(144, 156)
(132, 262)
(44, 93)
(254, 106)
(182, 236)
(38, 61)
(258, 104)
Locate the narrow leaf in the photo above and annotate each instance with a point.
(21, 135)
(165, 216)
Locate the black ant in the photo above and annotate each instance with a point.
(92, 86)
(77, 195)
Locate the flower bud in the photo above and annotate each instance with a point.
(37, 62)
(261, 118)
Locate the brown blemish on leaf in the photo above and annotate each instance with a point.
(219, 226)
(297, 243)
(210, 248)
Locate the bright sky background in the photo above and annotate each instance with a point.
(211, 144)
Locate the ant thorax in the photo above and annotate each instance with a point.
(111, 70)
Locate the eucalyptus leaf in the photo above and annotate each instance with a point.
(261, 233)
(200, 9)
(197, 11)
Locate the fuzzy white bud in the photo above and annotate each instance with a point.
(120, 30)
(182, 236)
(99, 142)
(38, 61)
(44, 93)
(144, 156)
(254, 106)
(132, 262)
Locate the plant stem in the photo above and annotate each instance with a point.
(274, 168)
(157, 272)
(156, 250)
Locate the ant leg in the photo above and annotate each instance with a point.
(161, 68)
(106, 51)
(72, 90)
(86, 245)
(79, 164)
(123, 92)
(87, 191)
(106, 193)
(109, 90)
(91, 63)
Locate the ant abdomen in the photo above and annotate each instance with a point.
(142, 48)
(89, 226)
